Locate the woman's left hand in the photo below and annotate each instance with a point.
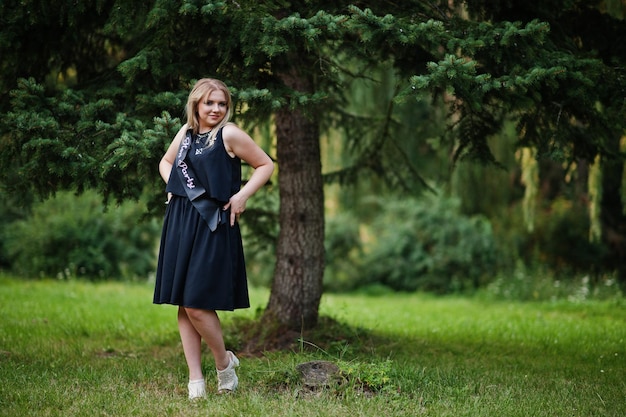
(237, 205)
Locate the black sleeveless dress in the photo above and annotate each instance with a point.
(197, 267)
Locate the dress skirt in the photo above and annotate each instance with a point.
(198, 268)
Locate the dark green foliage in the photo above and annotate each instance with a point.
(92, 93)
(49, 144)
(68, 236)
(63, 141)
(560, 241)
(344, 252)
(11, 210)
(127, 63)
(429, 245)
(412, 244)
(259, 228)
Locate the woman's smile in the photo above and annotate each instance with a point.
(212, 109)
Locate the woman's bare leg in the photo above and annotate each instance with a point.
(206, 324)
(192, 341)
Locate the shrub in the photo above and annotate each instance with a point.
(343, 252)
(561, 241)
(70, 236)
(429, 245)
(13, 207)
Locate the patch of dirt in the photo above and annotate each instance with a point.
(259, 336)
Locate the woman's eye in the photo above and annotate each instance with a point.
(211, 103)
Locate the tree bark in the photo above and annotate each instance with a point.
(297, 285)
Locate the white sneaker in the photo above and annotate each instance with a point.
(227, 380)
(197, 389)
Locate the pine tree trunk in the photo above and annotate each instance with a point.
(297, 286)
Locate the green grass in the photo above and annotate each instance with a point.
(82, 349)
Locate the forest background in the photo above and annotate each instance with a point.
(471, 165)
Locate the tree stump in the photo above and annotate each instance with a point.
(317, 374)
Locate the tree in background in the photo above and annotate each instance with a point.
(578, 123)
(94, 107)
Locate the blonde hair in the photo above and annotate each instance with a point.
(201, 89)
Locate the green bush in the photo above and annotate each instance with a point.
(73, 236)
(13, 207)
(427, 244)
(343, 252)
(561, 241)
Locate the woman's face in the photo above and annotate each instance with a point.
(211, 110)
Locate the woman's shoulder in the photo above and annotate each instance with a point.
(230, 128)
(233, 138)
(232, 132)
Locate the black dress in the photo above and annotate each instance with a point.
(197, 267)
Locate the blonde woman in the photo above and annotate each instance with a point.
(201, 262)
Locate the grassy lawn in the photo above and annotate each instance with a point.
(82, 349)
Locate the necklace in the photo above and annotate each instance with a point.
(203, 136)
(206, 138)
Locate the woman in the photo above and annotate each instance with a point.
(201, 264)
